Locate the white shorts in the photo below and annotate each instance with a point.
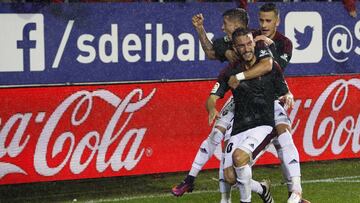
(280, 114)
(226, 117)
(252, 141)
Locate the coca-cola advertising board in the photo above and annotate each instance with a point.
(76, 132)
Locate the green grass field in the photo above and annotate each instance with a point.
(329, 181)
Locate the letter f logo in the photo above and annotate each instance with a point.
(26, 44)
(22, 42)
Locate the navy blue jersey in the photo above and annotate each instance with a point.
(221, 45)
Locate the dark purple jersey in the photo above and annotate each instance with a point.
(281, 49)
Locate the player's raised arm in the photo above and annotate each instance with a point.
(206, 44)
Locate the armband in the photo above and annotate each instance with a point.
(240, 76)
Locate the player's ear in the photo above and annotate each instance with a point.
(278, 21)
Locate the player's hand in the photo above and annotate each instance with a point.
(267, 40)
(231, 56)
(198, 21)
(233, 82)
(288, 100)
(213, 114)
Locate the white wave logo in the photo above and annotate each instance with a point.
(348, 125)
(75, 151)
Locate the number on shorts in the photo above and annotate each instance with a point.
(229, 147)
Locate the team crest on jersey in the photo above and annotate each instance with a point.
(263, 53)
(285, 57)
(215, 88)
(227, 39)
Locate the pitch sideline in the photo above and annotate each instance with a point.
(346, 179)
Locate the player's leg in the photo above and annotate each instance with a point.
(289, 157)
(288, 154)
(261, 188)
(243, 173)
(242, 157)
(222, 128)
(229, 171)
(207, 148)
(224, 187)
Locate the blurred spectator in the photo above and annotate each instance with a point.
(243, 3)
(350, 7)
(71, 1)
(100, 1)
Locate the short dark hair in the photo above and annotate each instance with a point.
(270, 7)
(238, 14)
(240, 32)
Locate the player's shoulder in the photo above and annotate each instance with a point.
(224, 39)
(262, 50)
(281, 37)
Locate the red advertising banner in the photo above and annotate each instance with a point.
(60, 133)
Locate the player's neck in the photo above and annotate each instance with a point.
(273, 35)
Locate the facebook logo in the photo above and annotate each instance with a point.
(304, 29)
(22, 42)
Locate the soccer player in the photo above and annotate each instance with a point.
(232, 19)
(254, 110)
(269, 20)
(281, 48)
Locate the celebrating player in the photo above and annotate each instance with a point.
(254, 111)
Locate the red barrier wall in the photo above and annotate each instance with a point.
(59, 133)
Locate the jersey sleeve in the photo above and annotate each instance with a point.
(221, 86)
(220, 47)
(280, 85)
(262, 51)
(282, 53)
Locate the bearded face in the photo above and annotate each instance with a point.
(244, 46)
